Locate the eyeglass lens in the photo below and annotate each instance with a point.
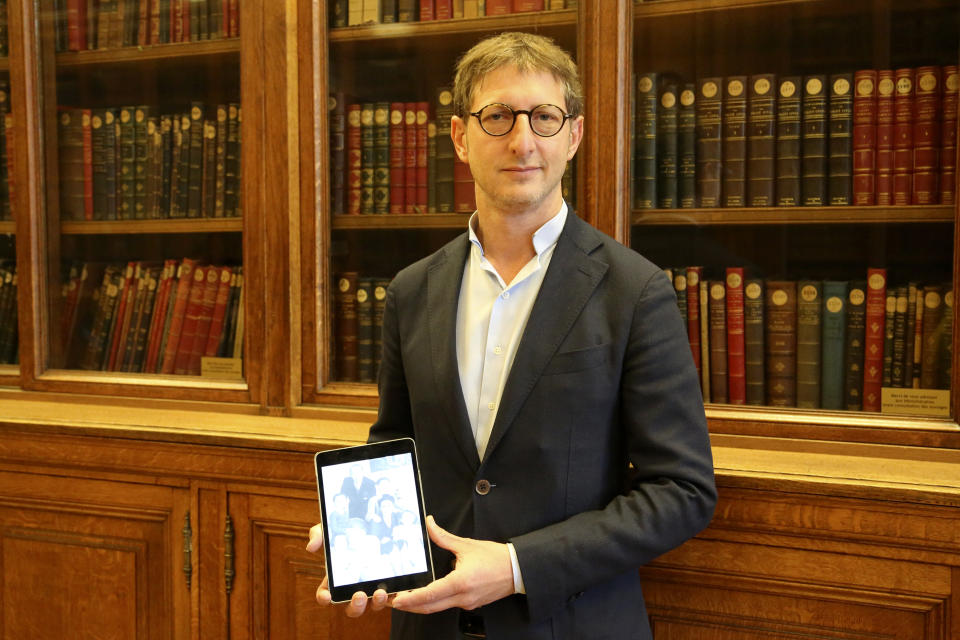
(498, 119)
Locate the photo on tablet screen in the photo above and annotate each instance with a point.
(374, 528)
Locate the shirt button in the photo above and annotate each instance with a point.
(490, 406)
(506, 295)
(498, 350)
(483, 487)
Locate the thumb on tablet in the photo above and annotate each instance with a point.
(316, 538)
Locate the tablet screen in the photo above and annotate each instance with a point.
(374, 530)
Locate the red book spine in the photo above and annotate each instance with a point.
(500, 8)
(76, 25)
(122, 316)
(87, 164)
(464, 194)
(864, 137)
(427, 10)
(885, 90)
(443, 9)
(204, 319)
(527, 5)
(158, 320)
(398, 144)
(693, 311)
(873, 341)
(410, 157)
(184, 280)
(926, 137)
(185, 18)
(354, 160)
(423, 115)
(948, 135)
(142, 30)
(234, 18)
(903, 117)
(191, 318)
(219, 313)
(176, 21)
(736, 346)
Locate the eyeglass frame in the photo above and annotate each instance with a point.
(516, 112)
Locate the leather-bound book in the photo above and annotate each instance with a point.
(345, 321)
(527, 5)
(926, 136)
(208, 187)
(853, 345)
(680, 289)
(136, 359)
(704, 316)
(184, 166)
(809, 350)
(125, 302)
(426, 12)
(781, 347)
(464, 194)
(834, 319)
(945, 352)
(874, 337)
(195, 183)
(337, 109)
(717, 304)
(397, 158)
(379, 304)
(736, 346)
(897, 364)
(366, 158)
(789, 109)
(754, 326)
(687, 147)
(231, 196)
(388, 11)
(423, 155)
(445, 152)
(840, 145)
(667, 114)
(864, 137)
(126, 176)
(407, 11)
(365, 368)
(709, 141)
(499, 7)
(381, 157)
(225, 348)
(645, 134)
(886, 87)
(443, 9)
(431, 166)
(409, 160)
(141, 116)
(98, 129)
(693, 276)
(191, 320)
(205, 319)
(70, 153)
(914, 311)
(948, 135)
(159, 314)
(813, 184)
(734, 141)
(904, 108)
(185, 275)
(761, 140)
(354, 160)
(933, 310)
(218, 319)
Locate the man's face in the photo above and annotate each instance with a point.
(518, 172)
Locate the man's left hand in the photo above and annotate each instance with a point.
(482, 574)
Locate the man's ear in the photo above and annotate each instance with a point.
(576, 135)
(458, 133)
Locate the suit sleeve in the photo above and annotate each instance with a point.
(394, 418)
(671, 495)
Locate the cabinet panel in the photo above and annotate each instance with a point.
(115, 549)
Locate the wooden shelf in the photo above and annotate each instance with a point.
(655, 8)
(794, 215)
(402, 221)
(179, 52)
(405, 30)
(8, 226)
(4, 64)
(117, 227)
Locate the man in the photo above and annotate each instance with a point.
(544, 371)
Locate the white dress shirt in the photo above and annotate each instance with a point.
(491, 317)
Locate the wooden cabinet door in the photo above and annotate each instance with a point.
(276, 578)
(87, 559)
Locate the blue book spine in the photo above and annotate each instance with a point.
(687, 147)
(645, 169)
(834, 326)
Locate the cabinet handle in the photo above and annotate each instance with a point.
(228, 571)
(187, 549)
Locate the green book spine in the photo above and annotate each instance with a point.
(709, 108)
(734, 141)
(666, 136)
(788, 141)
(809, 318)
(687, 147)
(645, 147)
(813, 183)
(840, 145)
(195, 183)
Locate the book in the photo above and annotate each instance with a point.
(409, 158)
(464, 194)
(890, 312)
(932, 333)
(345, 303)
(903, 118)
(788, 141)
(205, 318)
(885, 116)
(195, 182)
(367, 158)
(809, 329)
(666, 143)
(948, 135)
(704, 316)
(813, 182)
(185, 275)
(840, 140)
(692, 280)
(140, 158)
(379, 304)
(71, 170)
(687, 147)
(945, 351)
(364, 309)
(422, 130)
(736, 345)
(717, 305)
(898, 362)
(381, 157)
(834, 319)
(761, 140)
(709, 101)
(445, 153)
(231, 186)
(853, 350)
(874, 336)
(734, 130)
(645, 147)
(914, 312)
(354, 158)
(217, 320)
(754, 344)
(781, 342)
(191, 320)
(864, 137)
(926, 136)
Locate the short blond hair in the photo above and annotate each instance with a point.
(528, 53)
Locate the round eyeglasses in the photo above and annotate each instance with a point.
(498, 119)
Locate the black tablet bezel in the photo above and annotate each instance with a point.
(343, 593)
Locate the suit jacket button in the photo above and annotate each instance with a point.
(483, 487)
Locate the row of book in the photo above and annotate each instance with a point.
(358, 322)
(82, 25)
(811, 343)
(128, 163)
(345, 13)
(393, 157)
(871, 137)
(149, 317)
(9, 352)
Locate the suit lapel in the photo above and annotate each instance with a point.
(569, 282)
(444, 276)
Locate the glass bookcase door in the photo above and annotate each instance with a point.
(393, 191)
(794, 173)
(9, 330)
(142, 137)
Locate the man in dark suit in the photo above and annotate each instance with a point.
(544, 372)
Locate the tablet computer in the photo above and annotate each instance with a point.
(371, 507)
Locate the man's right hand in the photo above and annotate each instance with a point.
(358, 603)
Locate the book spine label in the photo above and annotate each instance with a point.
(761, 140)
(814, 166)
(840, 164)
(734, 129)
(709, 109)
(788, 141)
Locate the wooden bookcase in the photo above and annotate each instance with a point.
(844, 521)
